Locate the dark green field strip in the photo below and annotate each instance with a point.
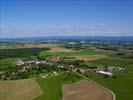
(20, 52)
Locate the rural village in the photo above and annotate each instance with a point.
(57, 64)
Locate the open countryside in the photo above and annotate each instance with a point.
(66, 49)
(49, 68)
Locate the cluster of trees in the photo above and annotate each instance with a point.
(20, 52)
(18, 72)
(14, 75)
(76, 63)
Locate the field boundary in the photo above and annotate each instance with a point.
(114, 97)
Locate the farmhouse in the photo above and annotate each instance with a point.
(105, 73)
(30, 62)
(69, 67)
(19, 62)
(36, 62)
(54, 59)
(40, 62)
(87, 70)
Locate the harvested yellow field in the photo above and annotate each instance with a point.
(61, 49)
(54, 48)
(90, 57)
(26, 89)
(35, 46)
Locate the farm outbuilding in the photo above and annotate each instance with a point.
(105, 73)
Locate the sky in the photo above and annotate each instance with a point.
(35, 18)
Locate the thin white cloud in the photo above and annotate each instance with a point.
(82, 30)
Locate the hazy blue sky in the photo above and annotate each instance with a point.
(21, 18)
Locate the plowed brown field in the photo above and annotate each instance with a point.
(85, 90)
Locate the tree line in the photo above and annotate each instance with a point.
(20, 52)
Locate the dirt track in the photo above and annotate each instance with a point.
(19, 90)
(85, 90)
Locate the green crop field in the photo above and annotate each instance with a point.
(6, 63)
(110, 61)
(78, 53)
(52, 86)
